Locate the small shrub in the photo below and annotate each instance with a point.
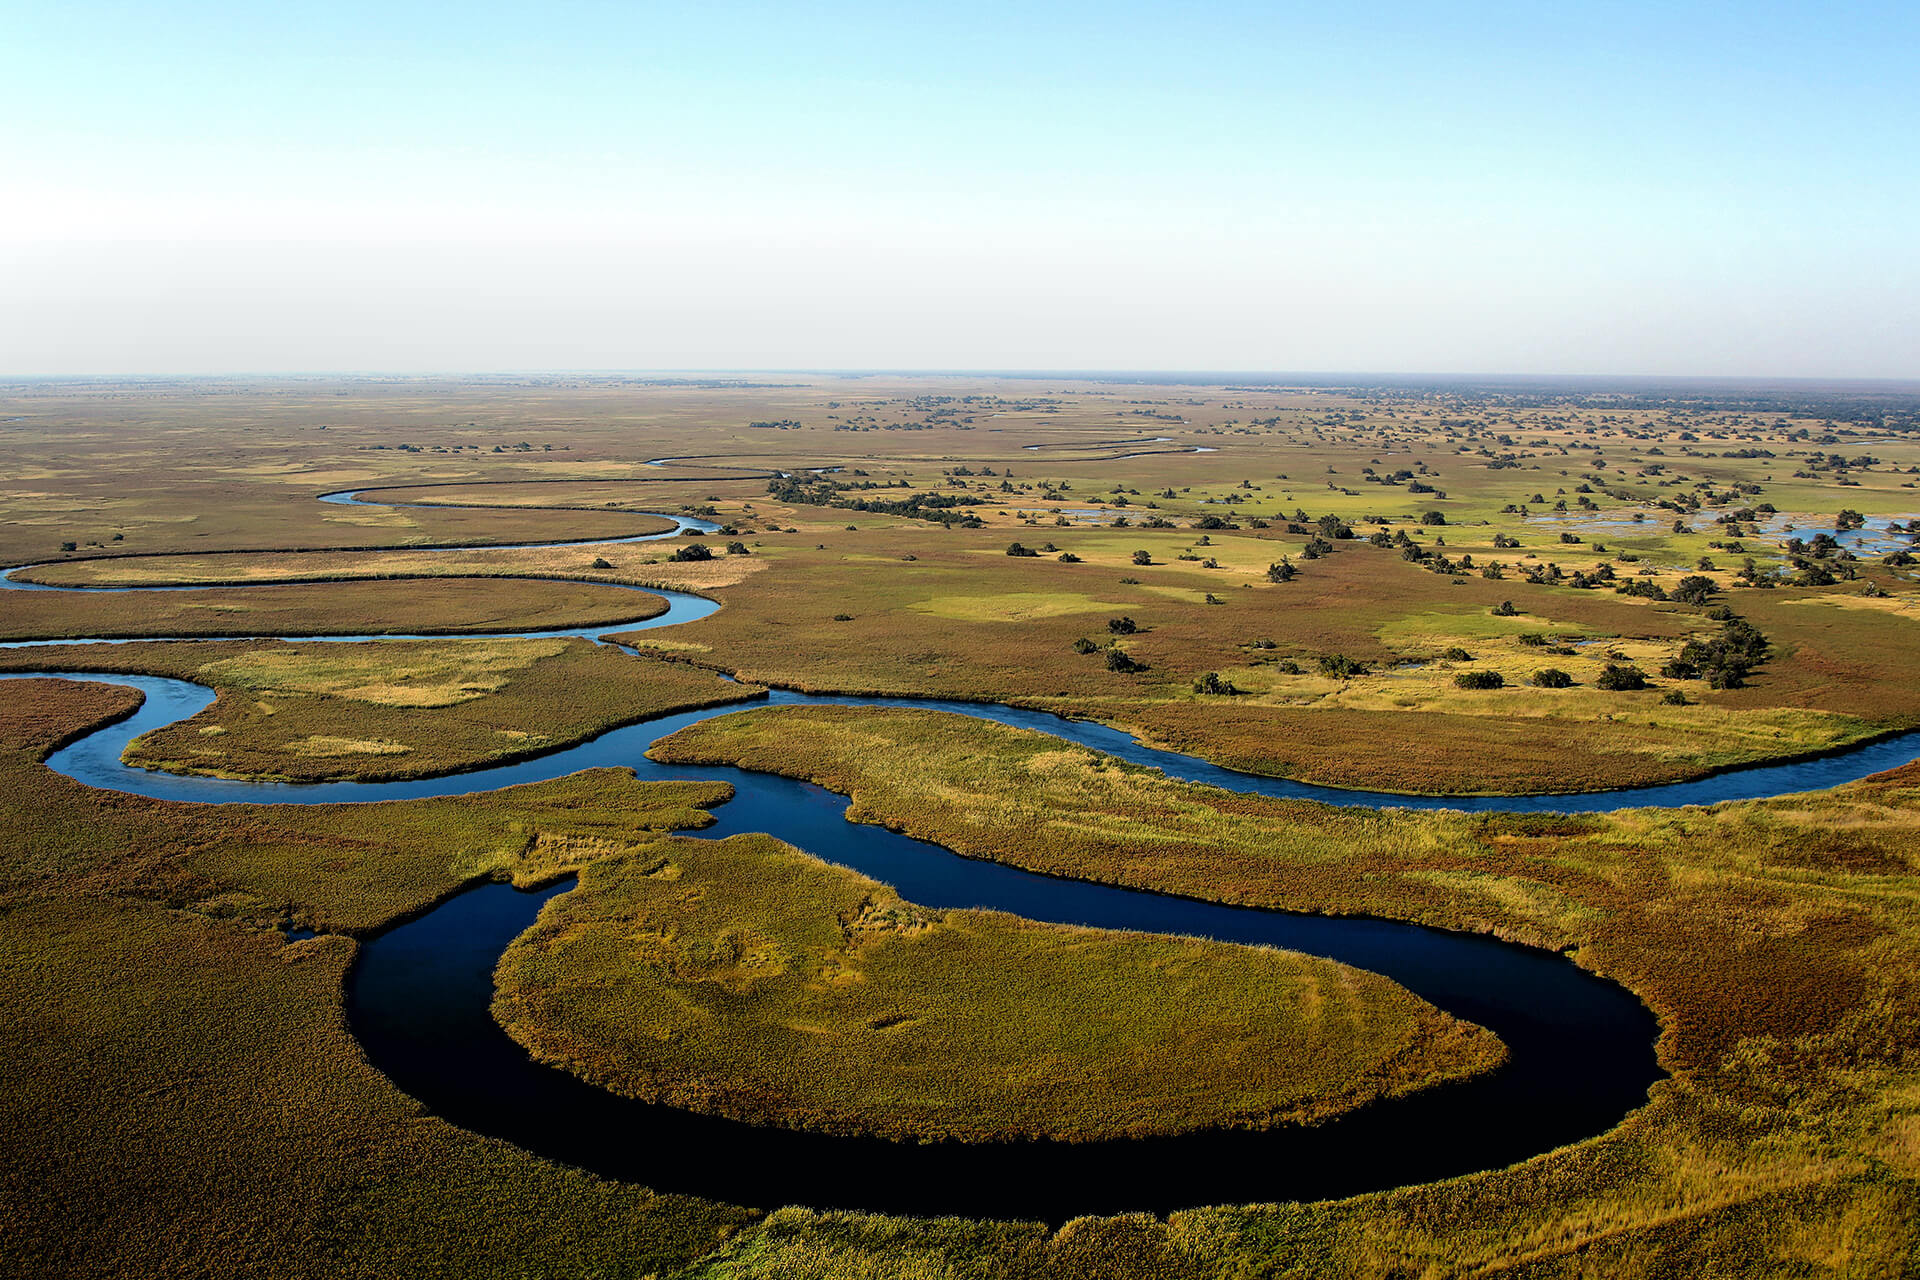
(1551, 678)
(1341, 667)
(1118, 660)
(692, 551)
(1143, 557)
(1084, 645)
(1457, 654)
(1122, 626)
(1479, 680)
(1505, 609)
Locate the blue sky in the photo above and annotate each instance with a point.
(1629, 188)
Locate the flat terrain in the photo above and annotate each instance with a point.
(747, 978)
(1440, 589)
(291, 712)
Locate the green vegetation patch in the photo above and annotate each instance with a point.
(389, 708)
(1014, 606)
(747, 978)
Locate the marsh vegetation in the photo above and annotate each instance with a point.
(1664, 584)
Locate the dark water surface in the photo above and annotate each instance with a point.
(1581, 1048)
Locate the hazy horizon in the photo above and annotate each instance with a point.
(1627, 191)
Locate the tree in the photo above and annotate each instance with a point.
(1281, 572)
(1479, 680)
(692, 551)
(1122, 626)
(1212, 683)
(1084, 645)
(1433, 517)
(1143, 557)
(1505, 609)
(737, 549)
(1118, 660)
(1695, 588)
(1616, 676)
(1551, 678)
(1341, 667)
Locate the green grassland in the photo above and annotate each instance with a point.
(183, 1098)
(1778, 941)
(746, 978)
(390, 708)
(562, 458)
(967, 622)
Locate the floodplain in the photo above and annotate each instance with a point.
(1435, 590)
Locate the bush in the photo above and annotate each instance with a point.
(1479, 680)
(1084, 645)
(692, 551)
(738, 549)
(1067, 557)
(1551, 678)
(1694, 589)
(1615, 677)
(1118, 660)
(1674, 698)
(1122, 626)
(843, 617)
(601, 562)
(1289, 668)
(1212, 683)
(1341, 667)
(1143, 557)
(1505, 609)
(1433, 517)
(1457, 654)
(1015, 549)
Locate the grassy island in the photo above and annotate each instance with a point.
(748, 978)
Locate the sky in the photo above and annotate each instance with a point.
(1601, 188)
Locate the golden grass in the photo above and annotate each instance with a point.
(436, 706)
(747, 978)
(1779, 942)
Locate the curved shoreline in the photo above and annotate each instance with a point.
(1581, 1046)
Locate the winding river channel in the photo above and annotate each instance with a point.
(419, 996)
